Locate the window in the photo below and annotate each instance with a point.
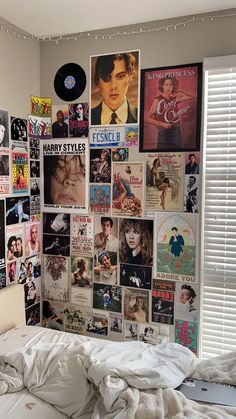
(218, 260)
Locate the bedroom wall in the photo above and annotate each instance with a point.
(188, 44)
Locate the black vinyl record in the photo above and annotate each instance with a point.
(70, 82)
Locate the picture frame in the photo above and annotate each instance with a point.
(170, 104)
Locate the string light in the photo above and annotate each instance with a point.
(141, 30)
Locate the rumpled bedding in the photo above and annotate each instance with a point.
(104, 380)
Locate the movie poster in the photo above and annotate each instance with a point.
(4, 173)
(55, 285)
(4, 130)
(127, 189)
(18, 130)
(107, 297)
(39, 127)
(78, 119)
(164, 182)
(65, 172)
(106, 137)
(74, 319)
(20, 172)
(162, 306)
(187, 302)
(107, 107)
(186, 334)
(171, 108)
(17, 210)
(100, 198)
(81, 235)
(40, 106)
(176, 247)
(96, 323)
(81, 271)
(136, 305)
(60, 116)
(2, 233)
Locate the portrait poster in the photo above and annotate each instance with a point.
(11, 273)
(55, 285)
(32, 291)
(17, 210)
(81, 296)
(53, 315)
(107, 297)
(39, 127)
(105, 234)
(127, 189)
(15, 242)
(74, 319)
(130, 331)
(54, 223)
(40, 106)
(187, 302)
(100, 165)
(96, 323)
(81, 235)
(2, 233)
(34, 148)
(4, 173)
(176, 247)
(78, 119)
(192, 163)
(34, 168)
(4, 130)
(34, 187)
(18, 130)
(135, 276)
(191, 193)
(106, 137)
(105, 267)
(82, 271)
(171, 108)
(136, 305)
(148, 334)
(32, 239)
(114, 88)
(65, 174)
(163, 306)
(20, 172)
(164, 182)
(100, 198)
(60, 118)
(186, 334)
(116, 322)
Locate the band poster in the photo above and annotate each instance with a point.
(176, 247)
(81, 235)
(20, 172)
(127, 189)
(65, 168)
(164, 174)
(114, 88)
(171, 104)
(55, 285)
(40, 106)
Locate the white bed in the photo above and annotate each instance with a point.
(50, 374)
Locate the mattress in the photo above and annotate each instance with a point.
(23, 405)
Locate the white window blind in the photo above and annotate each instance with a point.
(219, 209)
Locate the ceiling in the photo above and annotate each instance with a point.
(57, 17)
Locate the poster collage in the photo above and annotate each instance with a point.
(109, 195)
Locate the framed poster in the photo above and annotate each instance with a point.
(171, 108)
(114, 88)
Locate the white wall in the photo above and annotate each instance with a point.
(19, 72)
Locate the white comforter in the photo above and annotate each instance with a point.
(104, 380)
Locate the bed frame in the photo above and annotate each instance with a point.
(12, 307)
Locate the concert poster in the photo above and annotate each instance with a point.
(55, 285)
(163, 306)
(127, 189)
(20, 172)
(100, 198)
(164, 182)
(171, 108)
(39, 127)
(74, 319)
(186, 334)
(129, 89)
(78, 119)
(81, 235)
(40, 106)
(176, 247)
(65, 171)
(81, 296)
